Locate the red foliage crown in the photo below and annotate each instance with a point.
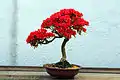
(64, 23)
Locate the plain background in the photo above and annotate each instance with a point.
(100, 47)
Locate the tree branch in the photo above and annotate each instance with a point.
(45, 41)
(54, 31)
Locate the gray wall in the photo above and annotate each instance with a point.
(5, 25)
(100, 47)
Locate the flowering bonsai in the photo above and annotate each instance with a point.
(63, 24)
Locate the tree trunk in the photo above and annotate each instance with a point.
(63, 62)
(63, 50)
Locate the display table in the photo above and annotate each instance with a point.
(38, 73)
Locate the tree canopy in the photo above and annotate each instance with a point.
(63, 24)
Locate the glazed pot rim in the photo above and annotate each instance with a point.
(48, 67)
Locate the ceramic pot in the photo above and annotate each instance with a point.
(62, 72)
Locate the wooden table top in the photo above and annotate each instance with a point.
(18, 75)
(35, 73)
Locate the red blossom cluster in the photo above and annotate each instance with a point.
(40, 34)
(64, 23)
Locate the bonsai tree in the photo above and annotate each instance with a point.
(63, 24)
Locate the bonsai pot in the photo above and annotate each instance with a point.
(62, 72)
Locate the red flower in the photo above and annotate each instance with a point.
(84, 30)
(64, 23)
(46, 23)
(80, 22)
(64, 20)
(40, 34)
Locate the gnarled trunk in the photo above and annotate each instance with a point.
(63, 50)
(63, 62)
